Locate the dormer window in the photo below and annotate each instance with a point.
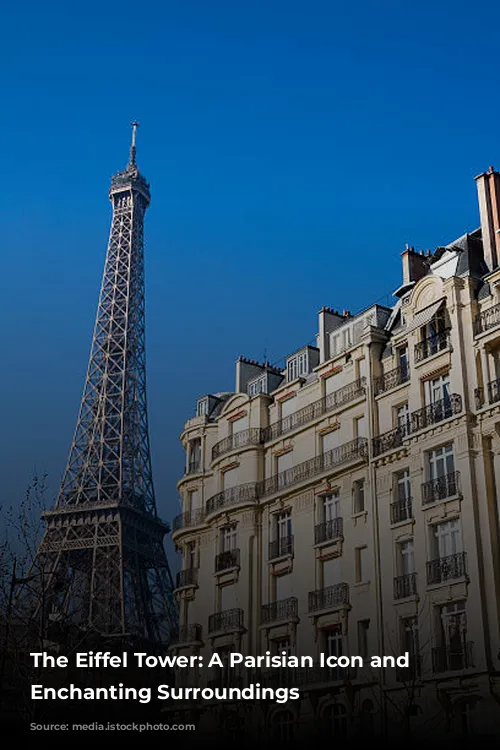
(257, 386)
(300, 364)
(202, 407)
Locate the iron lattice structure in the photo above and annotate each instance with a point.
(102, 557)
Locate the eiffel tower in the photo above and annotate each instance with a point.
(102, 558)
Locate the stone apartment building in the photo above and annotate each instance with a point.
(348, 504)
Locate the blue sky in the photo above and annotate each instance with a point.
(292, 150)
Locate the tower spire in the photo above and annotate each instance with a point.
(131, 162)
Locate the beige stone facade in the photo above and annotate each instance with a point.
(349, 504)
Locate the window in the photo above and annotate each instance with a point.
(363, 628)
(283, 525)
(194, 464)
(360, 427)
(438, 390)
(302, 364)
(407, 557)
(402, 416)
(447, 539)
(402, 362)
(360, 368)
(292, 369)
(190, 555)
(284, 462)
(359, 496)
(453, 636)
(228, 598)
(228, 538)
(347, 338)
(202, 407)
(361, 560)
(330, 440)
(441, 462)
(403, 485)
(223, 675)
(331, 572)
(257, 386)
(330, 508)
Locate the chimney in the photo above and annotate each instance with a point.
(415, 265)
(488, 193)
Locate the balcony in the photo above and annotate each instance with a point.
(453, 658)
(401, 510)
(436, 412)
(418, 420)
(391, 379)
(447, 568)
(441, 488)
(312, 411)
(243, 493)
(252, 436)
(494, 391)
(186, 577)
(405, 586)
(329, 531)
(433, 345)
(191, 518)
(329, 597)
(390, 440)
(228, 621)
(281, 547)
(285, 609)
(355, 449)
(487, 319)
(188, 634)
(227, 560)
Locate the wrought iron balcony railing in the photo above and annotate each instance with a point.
(188, 633)
(355, 449)
(436, 412)
(308, 413)
(401, 510)
(226, 560)
(441, 488)
(494, 391)
(390, 440)
(190, 518)
(243, 493)
(251, 436)
(281, 547)
(187, 577)
(226, 621)
(405, 586)
(329, 531)
(418, 420)
(487, 319)
(447, 568)
(432, 345)
(284, 609)
(452, 659)
(392, 379)
(329, 597)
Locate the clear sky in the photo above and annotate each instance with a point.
(293, 148)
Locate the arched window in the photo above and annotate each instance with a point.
(283, 725)
(335, 719)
